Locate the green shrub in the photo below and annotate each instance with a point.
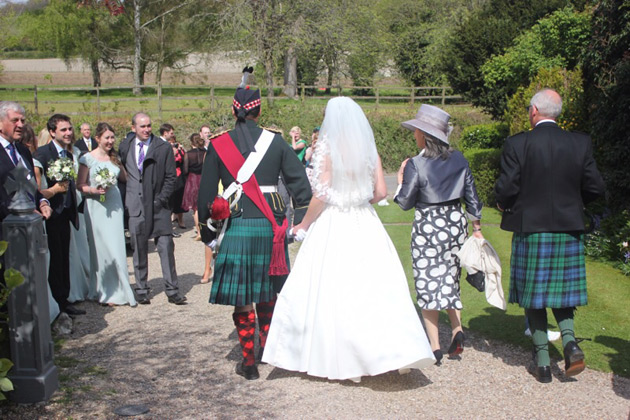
(484, 164)
(610, 241)
(484, 136)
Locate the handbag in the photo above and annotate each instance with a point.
(477, 280)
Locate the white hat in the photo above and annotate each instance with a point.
(432, 121)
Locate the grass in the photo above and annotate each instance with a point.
(604, 322)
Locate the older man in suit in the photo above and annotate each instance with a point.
(11, 124)
(151, 177)
(86, 143)
(64, 205)
(547, 176)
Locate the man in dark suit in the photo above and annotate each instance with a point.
(15, 154)
(151, 176)
(547, 176)
(86, 143)
(64, 205)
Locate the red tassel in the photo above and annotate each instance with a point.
(278, 265)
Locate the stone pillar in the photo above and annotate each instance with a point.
(34, 374)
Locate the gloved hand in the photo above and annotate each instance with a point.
(299, 235)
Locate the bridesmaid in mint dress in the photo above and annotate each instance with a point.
(104, 220)
(79, 250)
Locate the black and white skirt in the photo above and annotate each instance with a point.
(437, 235)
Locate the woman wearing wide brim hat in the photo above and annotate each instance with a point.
(434, 182)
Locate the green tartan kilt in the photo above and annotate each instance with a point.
(547, 270)
(241, 268)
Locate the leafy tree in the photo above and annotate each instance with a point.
(555, 41)
(568, 83)
(419, 31)
(488, 31)
(607, 82)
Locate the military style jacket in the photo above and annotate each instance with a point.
(280, 159)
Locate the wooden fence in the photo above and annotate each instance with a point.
(98, 100)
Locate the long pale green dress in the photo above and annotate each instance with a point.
(79, 251)
(108, 256)
(53, 306)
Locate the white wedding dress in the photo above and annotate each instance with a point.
(345, 310)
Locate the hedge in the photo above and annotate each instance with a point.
(485, 164)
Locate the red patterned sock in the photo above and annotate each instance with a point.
(265, 312)
(245, 323)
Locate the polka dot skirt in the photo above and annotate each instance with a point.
(437, 235)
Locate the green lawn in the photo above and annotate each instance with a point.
(605, 320)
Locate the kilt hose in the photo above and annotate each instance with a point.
(547, 270)
(241, 268)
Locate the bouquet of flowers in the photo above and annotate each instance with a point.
(61, 170)
(104, 178)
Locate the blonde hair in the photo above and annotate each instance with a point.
(43, 138)
(297, 130)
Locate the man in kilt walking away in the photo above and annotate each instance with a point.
(252, 260)
(547, 176)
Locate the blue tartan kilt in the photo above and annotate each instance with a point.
(241, 268)
(547, 270)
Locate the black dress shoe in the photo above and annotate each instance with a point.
(248, 372)
(177, 300)
(457, 345)
(71, 310)
(573, 359)
(438, 357)
(143, 300)
(542, 374)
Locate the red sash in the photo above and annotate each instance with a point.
(233, 160)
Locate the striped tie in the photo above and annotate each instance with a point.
(140, 156)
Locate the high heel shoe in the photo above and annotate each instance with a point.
(438, 357)
(457, 345)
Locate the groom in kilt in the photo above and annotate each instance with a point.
(252, 260)
(547, 177)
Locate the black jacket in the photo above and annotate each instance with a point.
(547, 176)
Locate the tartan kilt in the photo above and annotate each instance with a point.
(547, 270)
(241, 268)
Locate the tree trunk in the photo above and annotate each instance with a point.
(96, 73)
(329, 81)
(290, 73)
(137, 76)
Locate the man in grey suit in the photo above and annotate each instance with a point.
(151, 177)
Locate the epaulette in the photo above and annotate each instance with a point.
(215, 135)
(273, 130)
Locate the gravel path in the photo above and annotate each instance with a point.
(179, 361)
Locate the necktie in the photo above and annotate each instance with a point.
(88, 143)
(12, 153)
(140, 156)
(63, 154)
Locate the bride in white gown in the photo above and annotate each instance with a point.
(345, 310)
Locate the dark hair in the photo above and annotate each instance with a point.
(101, 128)
(196, 140)
(28, 138)
(204, 126)
(436, 148)
(51, 125)
(166, 127)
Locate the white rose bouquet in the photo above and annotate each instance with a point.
(104, 178)
(61, 170)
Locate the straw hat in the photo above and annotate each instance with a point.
(432, 121)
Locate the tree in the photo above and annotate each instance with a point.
(607, 83)
(558, 40)
(488, 31)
